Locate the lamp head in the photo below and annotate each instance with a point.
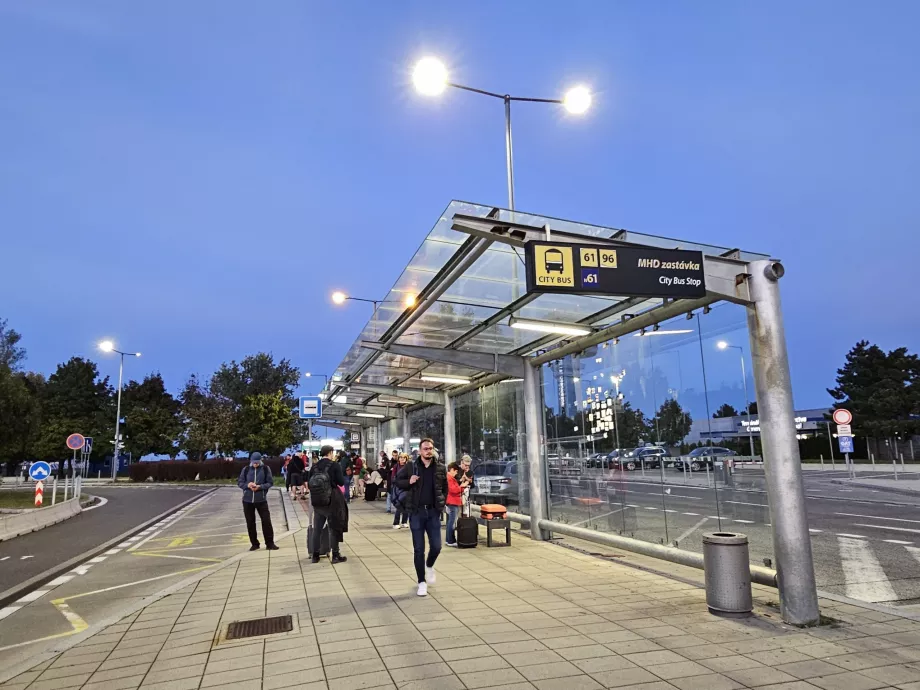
(577, 100)
(721, 345)
(410, 300)
(137, 354)
(307, 374)
(106, 346)
(430, 76)
(339, 297)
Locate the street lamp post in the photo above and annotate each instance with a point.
(339, 297)
(722, 345)
(431, 78)
(325, 378)
(109, 346)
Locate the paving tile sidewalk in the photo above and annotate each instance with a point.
(531, 616)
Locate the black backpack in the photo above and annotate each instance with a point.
(320, 488)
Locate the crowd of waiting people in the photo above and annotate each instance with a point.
(418, 490)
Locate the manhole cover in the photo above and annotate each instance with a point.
(259, 626)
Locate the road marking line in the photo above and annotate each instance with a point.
(876, 517)
(186, 558)
(60, 580)
(574, 524)
(650, 508)
(102, 502)
(692, 498)
(714, 517)
(746, 522)
(667, 510)
(4, 558)
(894, 529)
(112, 552)
(32, 596)
(97, 559)
(815, 531)
(897, 541)
(131, 584)
(742, 503)
(851, 536)
(864, 576)
(22, 558)
(8, 611)
(691, 530)
(81, 569)
(694, 514)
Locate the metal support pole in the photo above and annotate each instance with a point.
(830, 443)
(54, 491)
(363, 447)
(509, 156)
(782, 463)
(450, 434)
(378, 445)
(748, 403)
(533, 409)
(121, 368)
(407, 432)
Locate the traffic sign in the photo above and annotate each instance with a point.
(845, 443)
(87, 444)
(39, 471)
(311, 407)
(842, 416)
(844, 430)
(75, 441)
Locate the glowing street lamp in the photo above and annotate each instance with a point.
(109, 346)
(431, 78)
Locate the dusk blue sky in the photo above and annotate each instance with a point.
(193, 179)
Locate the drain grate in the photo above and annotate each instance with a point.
(260, 626)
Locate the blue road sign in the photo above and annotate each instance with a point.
(845, 443)
(311, 407)
(87, 444)
(39, 471)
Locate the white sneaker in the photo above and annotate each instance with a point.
(395, 526)
(404, 525)
(422, 589)
(430, 576)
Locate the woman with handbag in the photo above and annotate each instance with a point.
(398, 501)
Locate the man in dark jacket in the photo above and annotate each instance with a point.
(255, 481)
(295, 474)
(336, 513)
(425, 484)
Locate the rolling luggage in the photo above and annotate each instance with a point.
(323, 546)
(467, 532)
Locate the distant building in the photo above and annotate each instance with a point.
(808, 423)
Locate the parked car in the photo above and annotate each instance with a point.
(597, 461)
(622, 459)
(495, 482)
(700, 458)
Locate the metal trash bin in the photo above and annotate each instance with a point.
(726, 565)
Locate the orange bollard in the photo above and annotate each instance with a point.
(39, 490)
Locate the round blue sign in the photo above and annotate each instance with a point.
(39, 471)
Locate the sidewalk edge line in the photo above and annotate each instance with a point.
(33, 660)
(35, 581)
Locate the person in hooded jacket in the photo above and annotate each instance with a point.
(336, 512)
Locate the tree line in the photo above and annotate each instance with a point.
(242, 406)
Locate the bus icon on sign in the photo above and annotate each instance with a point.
(553, 261)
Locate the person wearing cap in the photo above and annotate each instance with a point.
(255, 481)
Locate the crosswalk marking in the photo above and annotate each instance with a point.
(864, 576)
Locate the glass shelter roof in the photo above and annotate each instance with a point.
(472, 310)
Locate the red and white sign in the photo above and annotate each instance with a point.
(39, 494)
(75, 441)
(842, 416)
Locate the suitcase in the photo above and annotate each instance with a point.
(323, 549)
(492, 511)
(467, 533)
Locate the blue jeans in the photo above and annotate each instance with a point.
(348, 489)
(389, 500)
(452, 513)
(425, 521)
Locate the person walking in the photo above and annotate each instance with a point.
(425, 484)
(328, 503)
(398, 497)
(255, 480)
(454, 502)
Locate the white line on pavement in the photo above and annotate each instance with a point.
(32, 596)
(97, 559)
(742, 503)
(60, 580)
(746, 522)
(897, 541)
(8, 611)
(4, 558)
(815, 531)
(865, 579)
(691, 530)
(851, 536)
(888, 527)
(876, 517)
(694, 514)
(102, 502)
(22, 558)
(711, 517)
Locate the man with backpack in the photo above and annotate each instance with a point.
(425, 483)
(328, 503)
(255, 480)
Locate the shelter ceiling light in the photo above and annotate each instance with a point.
(549, 326)
(676, 331)
(373, 415)
(437, 378)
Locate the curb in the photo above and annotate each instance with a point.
(17, 591)
(863, 485)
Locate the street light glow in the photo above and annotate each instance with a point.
(137, 354)
(106, 346)
(721, 345)
(339, 297)
(409, 301)
(430, 76)
(577, 100)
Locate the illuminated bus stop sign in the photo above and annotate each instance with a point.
(622, 271)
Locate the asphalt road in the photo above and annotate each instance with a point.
(865, 542)
(26, 556)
